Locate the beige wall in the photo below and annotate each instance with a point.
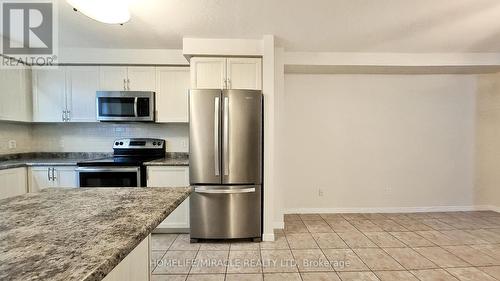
(19, 132)
(488, 141)
(378, 141)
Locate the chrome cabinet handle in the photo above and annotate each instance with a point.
(226, 136)
(124, 84)
(128, 84)
(54, 174)
(223, 190)
(48, 174)
(216, 136)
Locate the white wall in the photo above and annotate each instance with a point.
(488, 141)
(19, 132)
(378, 141)
(99, 137)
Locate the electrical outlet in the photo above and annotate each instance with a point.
(320, 192)
(12, 144)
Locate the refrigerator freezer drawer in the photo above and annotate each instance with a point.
(225, 212)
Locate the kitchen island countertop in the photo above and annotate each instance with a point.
(78, 234)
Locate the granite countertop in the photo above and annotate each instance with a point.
(171, 159)
(48, 159)
(78, 234)
(72, 158)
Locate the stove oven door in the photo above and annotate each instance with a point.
(109, 176)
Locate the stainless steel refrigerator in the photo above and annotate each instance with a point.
(225, 164)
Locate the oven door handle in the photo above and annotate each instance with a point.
(107, 170)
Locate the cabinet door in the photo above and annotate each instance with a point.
(26, 100)
(172, 86)
(112, 78)
(135, 266)
(15, 95)
(82, 84)
(65, 176)
(141, 78)
(49, 94)
(208, 73)
(172, 177)
(244, 73)
(13, 182)
(39, 178)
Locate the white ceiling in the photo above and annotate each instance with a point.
(299, 25)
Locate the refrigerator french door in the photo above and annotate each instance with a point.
(225, 163)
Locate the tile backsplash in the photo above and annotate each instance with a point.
(87, 137)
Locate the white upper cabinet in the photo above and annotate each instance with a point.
(226, 73)
(135, 78)
(208, 73)
(15, 95)
(82, 84)
(65, 94)
(244, 73)
(113, 78)
(141, 78)
(172, 86)
(49, 95)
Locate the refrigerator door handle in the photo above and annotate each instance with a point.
(210, 190)
(216, 136)
(226, 136)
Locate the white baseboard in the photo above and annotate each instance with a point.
(488, 208)
(268, 237)
(380, 210)
(281, 224)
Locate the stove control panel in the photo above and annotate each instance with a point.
(139, 143)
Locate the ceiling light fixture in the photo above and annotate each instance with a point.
(106, 11)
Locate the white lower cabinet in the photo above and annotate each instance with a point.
(13, 182)
(160, 176)
(57, 176)
(135, 266)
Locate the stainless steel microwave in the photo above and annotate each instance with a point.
(125, 106)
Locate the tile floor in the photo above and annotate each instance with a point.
(421, 246)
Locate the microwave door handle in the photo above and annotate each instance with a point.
(135, 106)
